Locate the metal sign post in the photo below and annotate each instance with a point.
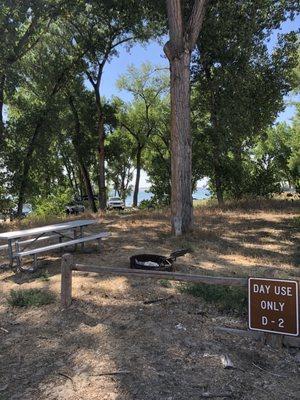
(273, 306)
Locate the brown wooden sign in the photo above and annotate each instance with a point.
(273, 306)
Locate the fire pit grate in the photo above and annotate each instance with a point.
(156, 262)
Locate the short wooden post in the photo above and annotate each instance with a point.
(67, 263)
(273, 340)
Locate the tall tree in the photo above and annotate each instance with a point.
(147, 85)
(100, 28)
(47, 69)
(120, 161)
(77, 141)
(184, 27)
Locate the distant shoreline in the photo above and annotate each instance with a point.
(144, 194)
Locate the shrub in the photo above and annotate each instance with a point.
(226, 298)
(30, 298)
(147, 204)
(54, 204)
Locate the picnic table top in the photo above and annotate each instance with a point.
(46, 228)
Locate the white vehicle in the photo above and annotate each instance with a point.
(115, 202)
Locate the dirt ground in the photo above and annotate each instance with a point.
(111, 345)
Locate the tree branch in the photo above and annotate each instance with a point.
(195, 22)
(130, 131)
(175, 23)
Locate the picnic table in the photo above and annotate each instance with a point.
(23, 242)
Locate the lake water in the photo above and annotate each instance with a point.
(199, 193)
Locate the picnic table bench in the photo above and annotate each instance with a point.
(73, 231)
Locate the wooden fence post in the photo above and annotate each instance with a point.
(67, 263)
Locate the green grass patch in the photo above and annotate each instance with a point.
(296, 221)
(30, 298)
(165, 283)
(44, 276)
(227, 298)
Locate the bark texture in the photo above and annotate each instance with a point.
(178, 49)
(2, 83)
(138, 175)
(101, 138)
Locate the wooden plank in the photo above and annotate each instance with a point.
(212, 280)
(66, 280)
(288, 341)
(61, 245)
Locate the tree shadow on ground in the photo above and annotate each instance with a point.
(110, 349)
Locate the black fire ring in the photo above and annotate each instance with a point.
(156, 262)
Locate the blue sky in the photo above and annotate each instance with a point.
(153, 52)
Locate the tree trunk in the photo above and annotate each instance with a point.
(26, 167)
(101, 151)
(80, 184)
(101, 160)
(219, 188)
(72, 184)
(216, 138)
(31, 146)
(77, 144)
(238, 173)
(2, 83)
(183, 34)
(88, 186)
(181, 146)
(138, 175)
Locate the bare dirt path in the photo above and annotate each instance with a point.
(111, 345)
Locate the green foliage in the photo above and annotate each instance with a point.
(147, 204)
(54, 204)
(30, 298)
(120, 160)
(144, 118)
(44, 276)
(226, 298)
(296, 222)
(49, 151)
(239, 87)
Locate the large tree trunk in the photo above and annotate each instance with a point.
(2, 83)
(138, 176)
(183, 35)
(181, 146)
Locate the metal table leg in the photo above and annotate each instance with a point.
(19, 259)
(10, 253)
(81, 236)
(75, 237)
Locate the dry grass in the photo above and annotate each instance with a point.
(166, 350)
